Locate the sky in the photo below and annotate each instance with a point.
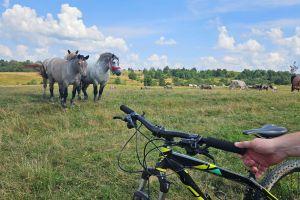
(205, 34)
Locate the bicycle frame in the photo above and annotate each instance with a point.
(179, 163)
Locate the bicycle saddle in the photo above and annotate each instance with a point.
(267, 131)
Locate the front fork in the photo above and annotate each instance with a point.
(163, 182)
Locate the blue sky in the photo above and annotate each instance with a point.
(206, 34)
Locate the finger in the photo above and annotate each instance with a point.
(249, 162)
(254, 169)
(245, 144)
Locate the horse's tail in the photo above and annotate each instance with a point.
(292, 78)
(38, 66)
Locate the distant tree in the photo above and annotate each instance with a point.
(132, 75)
(148, 80)
(161, 81)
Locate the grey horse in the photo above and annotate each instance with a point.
(69, 56)
(65, 73)
(98, 74)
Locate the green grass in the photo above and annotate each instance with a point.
(46, 153)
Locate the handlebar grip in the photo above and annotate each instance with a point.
(224, 145)
(126, 110)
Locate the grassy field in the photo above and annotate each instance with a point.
(46, 153)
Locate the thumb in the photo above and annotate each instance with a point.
(245, 144)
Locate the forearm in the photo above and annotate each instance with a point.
(288, 144)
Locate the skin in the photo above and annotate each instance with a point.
(263, 153)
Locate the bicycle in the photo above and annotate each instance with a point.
(196, 144)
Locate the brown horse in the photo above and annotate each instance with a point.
(295, 80)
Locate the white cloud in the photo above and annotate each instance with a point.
(163, 41)
(22, 23)
(157, 61)
(5, 51)
(224, 40)
(290, 44)
(251, 45)
(5, 3)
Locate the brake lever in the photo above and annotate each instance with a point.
(130, 123)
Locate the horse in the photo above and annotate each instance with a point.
(98, 74)
(65, 72)
(295, 80)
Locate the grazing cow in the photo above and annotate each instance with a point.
(263, 87)
(273, 88)
(205, 86)
(193, 85)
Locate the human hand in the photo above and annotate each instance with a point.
(260, 154)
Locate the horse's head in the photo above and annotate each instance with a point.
(71, 55)
(81, 59)
(112, 62)
(114, 65)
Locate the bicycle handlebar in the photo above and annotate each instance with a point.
(160, 132)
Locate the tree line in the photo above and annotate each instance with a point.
(183, 76)
(14, 66)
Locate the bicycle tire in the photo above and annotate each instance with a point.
(281, 181)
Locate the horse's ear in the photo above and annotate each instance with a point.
(87, 57)
(76, 52)
(69, 51)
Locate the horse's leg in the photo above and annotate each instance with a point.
(84, 88)
(44, 87)
(78, 88)
(101, 91)
(95, 91)
(61, 93)
(73, 94)
(51, 86)
(65, 89)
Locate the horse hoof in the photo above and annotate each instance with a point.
(85, 98)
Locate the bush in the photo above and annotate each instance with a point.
(148, 81)
(118, 81)
(132, 75)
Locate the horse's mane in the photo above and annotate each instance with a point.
(104, 56)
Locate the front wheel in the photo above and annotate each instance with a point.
(283, 180)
